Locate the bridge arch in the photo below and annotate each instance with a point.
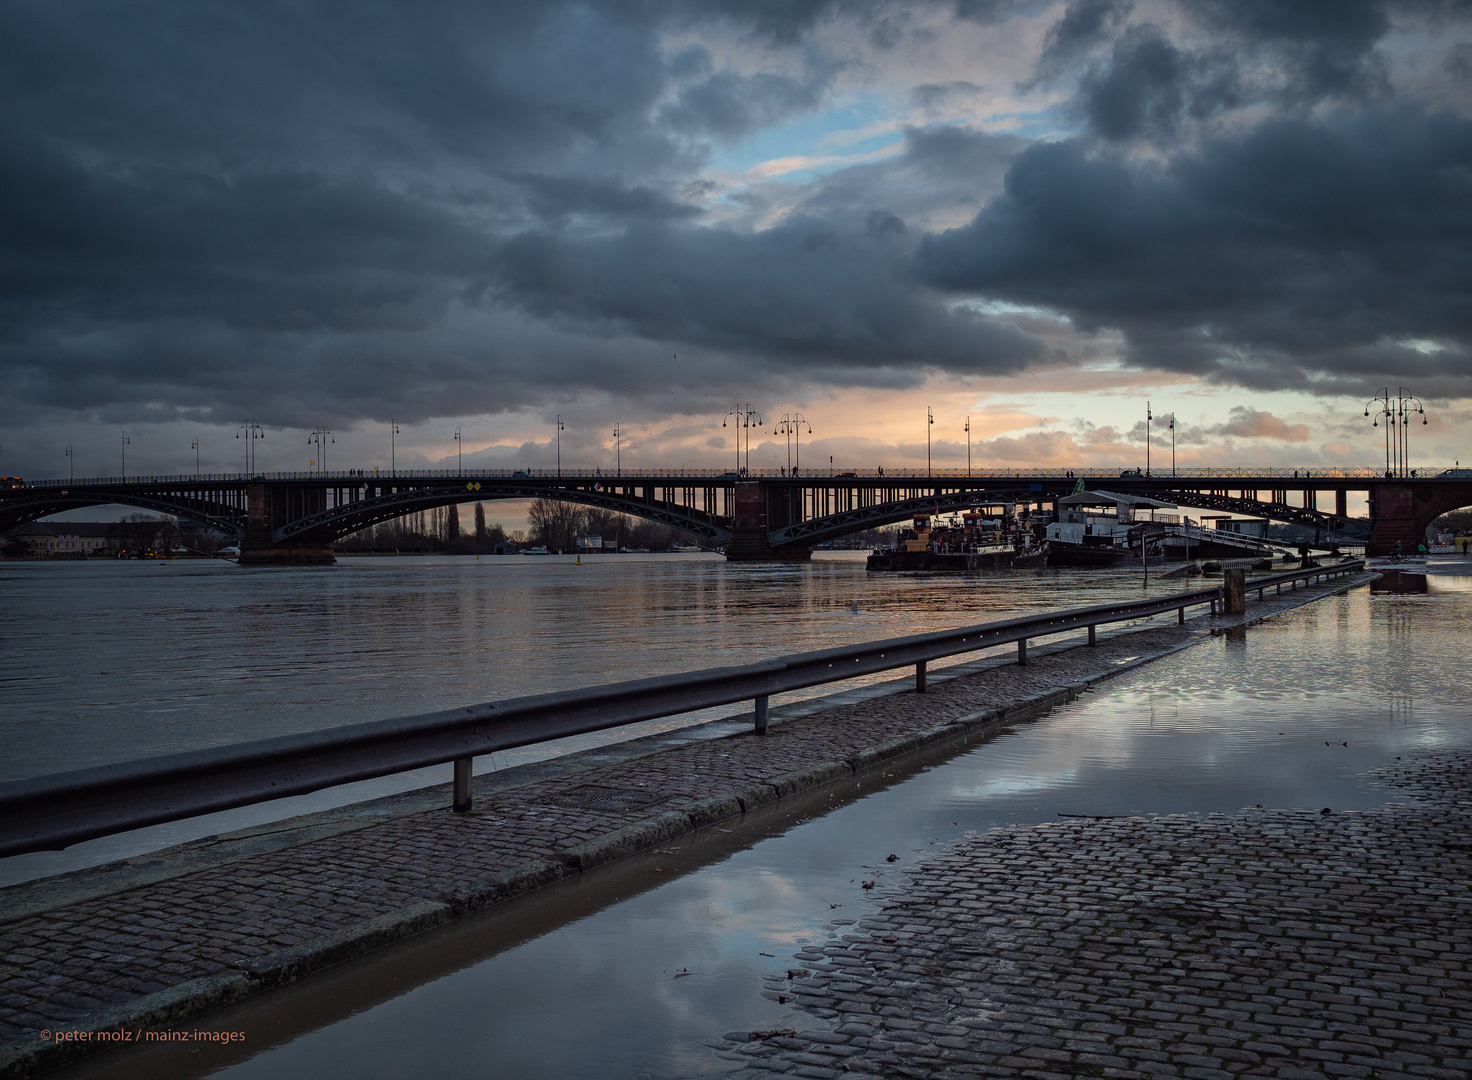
(38, 503)
(333, 524)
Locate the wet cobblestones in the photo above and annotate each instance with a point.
(1265, 943)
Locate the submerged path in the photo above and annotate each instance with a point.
(1261, 943)
(152, 941)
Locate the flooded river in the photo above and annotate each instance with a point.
(111, 661)
(635, 973)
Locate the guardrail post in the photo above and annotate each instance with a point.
(761, 714)
(1022, 650)
(920, 677)
(461, 805)
(1091, 633)
(1180, 616)
(1234, 585)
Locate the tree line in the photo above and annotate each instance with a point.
(555, 525)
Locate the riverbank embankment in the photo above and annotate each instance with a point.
(155, 940)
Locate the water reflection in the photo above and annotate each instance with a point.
(1399, 581)
(1297, 719)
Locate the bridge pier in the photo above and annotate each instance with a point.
(257, 548)
(1400, 511)
(749, 529)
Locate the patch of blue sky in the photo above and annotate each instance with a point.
(856, 125)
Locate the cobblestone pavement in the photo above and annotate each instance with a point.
(191, 939)
(1264, 943)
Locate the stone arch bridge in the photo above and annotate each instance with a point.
(296, 517)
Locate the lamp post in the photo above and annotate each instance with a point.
(929, 423)
(321, 436)
(1407, 406)
(459, 453)
(1172, 446)
(1147, 438)
(393, 435)
(746, 418)
(1383, 408)
(559, 446)
(253, 432)
(618, 461)
(968, 446)
(71, 464)
(791, 425)
(195, 447)
(126, 441)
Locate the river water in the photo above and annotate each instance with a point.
(638, 974)
(111, 661)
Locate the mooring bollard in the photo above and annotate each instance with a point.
(920, 677)
(1234, 587)
(761, 714)
(461, 805)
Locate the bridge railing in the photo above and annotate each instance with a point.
(50, 812)
(877, 473)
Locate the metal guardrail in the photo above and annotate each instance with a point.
(1264, 582)
(1287, 473)
(52, 812)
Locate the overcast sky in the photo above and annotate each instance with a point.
(1251, 213)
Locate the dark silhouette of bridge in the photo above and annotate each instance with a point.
(296, 517)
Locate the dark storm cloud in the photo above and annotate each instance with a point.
(807, 290)
(1150, 87)
(1305, 253)
(727, 104)
(339, 211)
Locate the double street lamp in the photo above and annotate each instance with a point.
(321, 436)
(1398, 413)
(253, 432)
(791, 425)
(746, 418)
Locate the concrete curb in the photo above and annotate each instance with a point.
(35, 1055)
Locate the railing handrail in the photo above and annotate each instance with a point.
(1320, 473)
(54, 811)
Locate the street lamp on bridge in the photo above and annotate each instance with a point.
(1147, 438)
(126, 441)
(1397, 413)
(792, 424)
(393, 448)
(746, 418)
(560, 430)
(968, 446)
(253, 432)
(195, 447)
(459, 453)
(618, 460)
(71, 464)
(321, 436)
(1172, 446)
(929, 423)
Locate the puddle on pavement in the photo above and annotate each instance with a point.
(639, 970)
